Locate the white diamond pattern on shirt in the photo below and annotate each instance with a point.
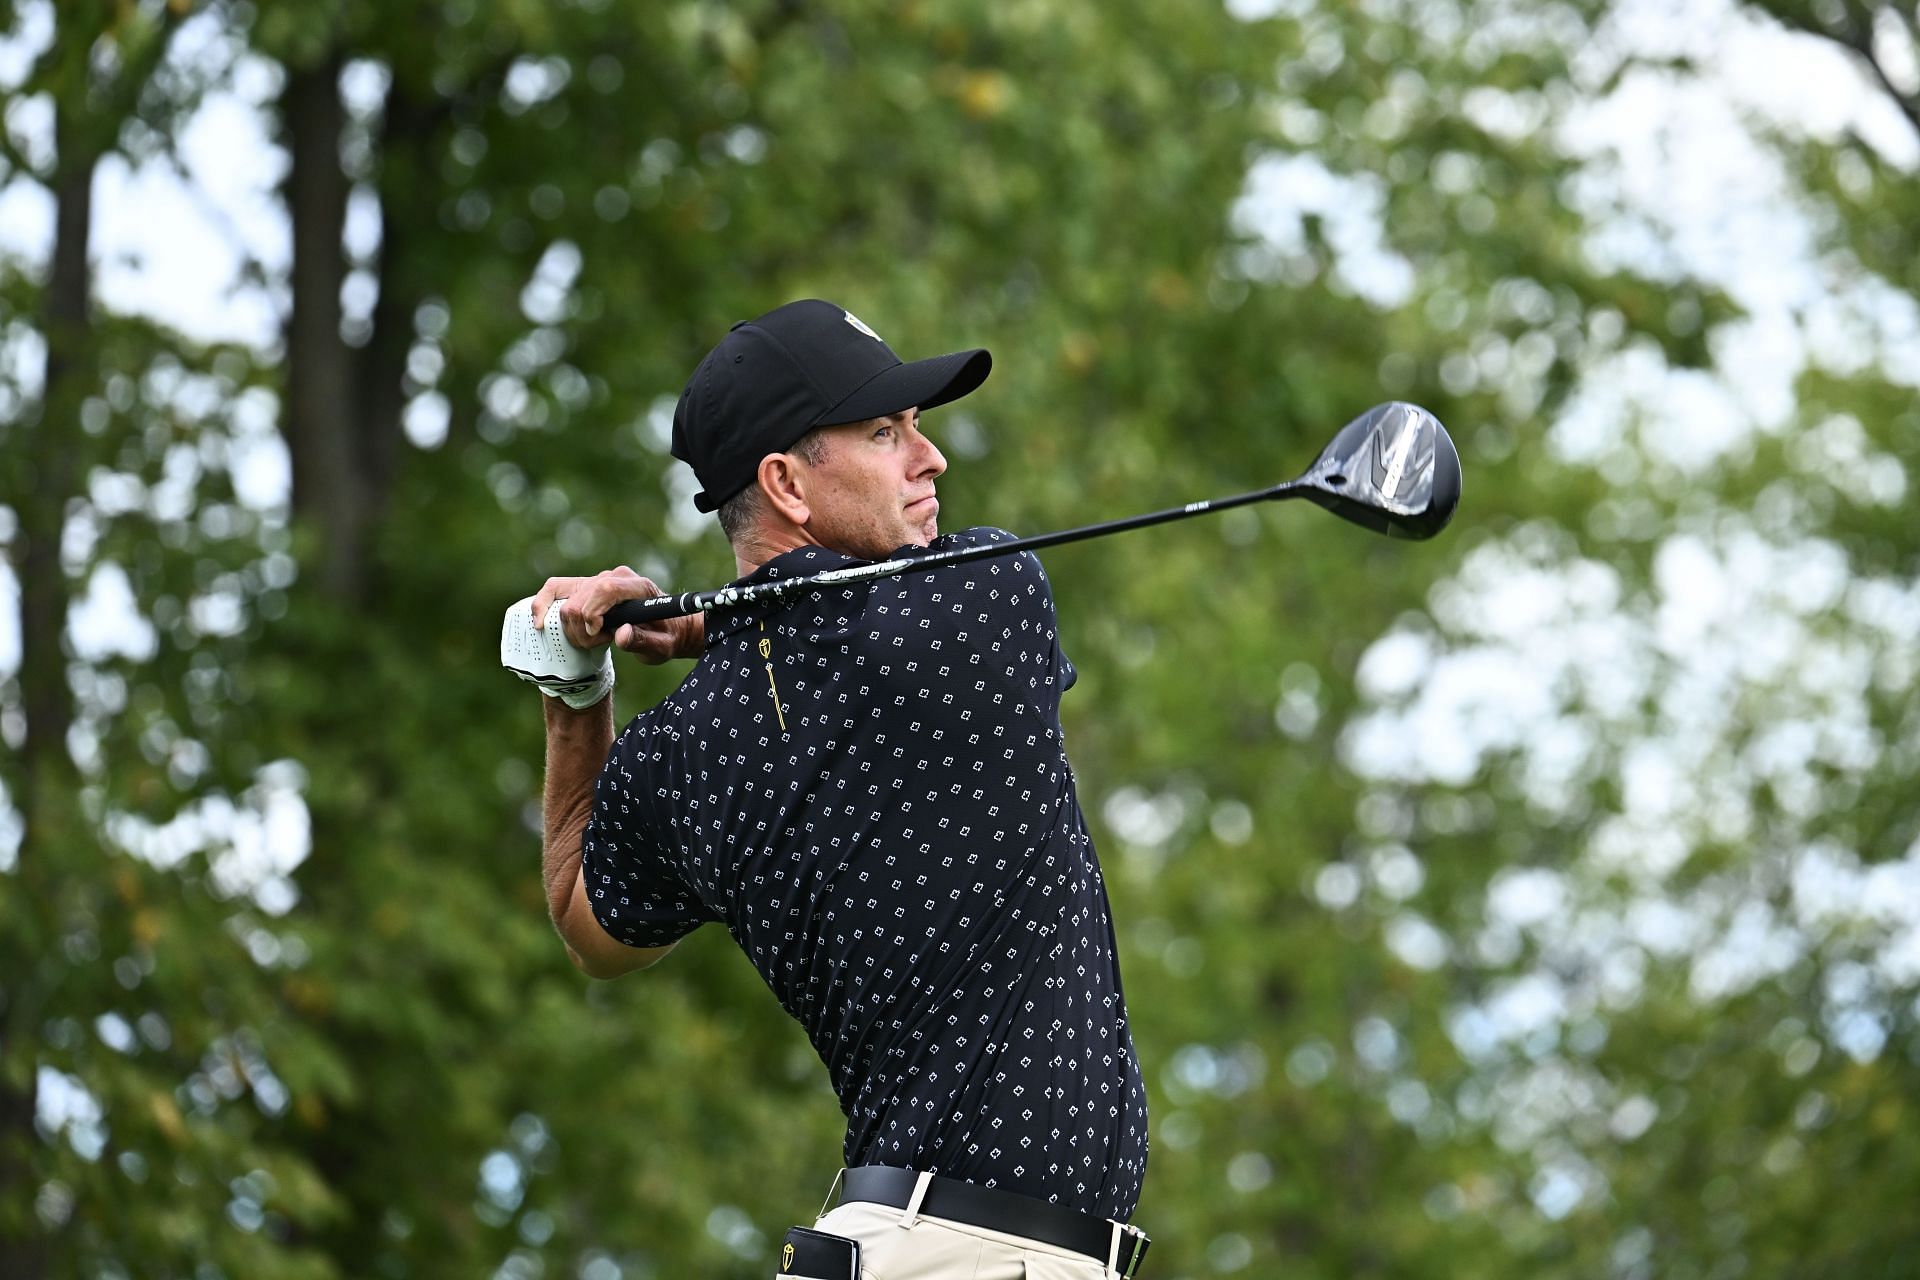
(906, 865)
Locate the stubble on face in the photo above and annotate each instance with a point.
(874, 490)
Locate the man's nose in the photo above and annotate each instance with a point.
(931, 461)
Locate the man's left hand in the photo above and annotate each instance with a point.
(583, 609)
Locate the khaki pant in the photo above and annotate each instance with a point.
(938, 1249)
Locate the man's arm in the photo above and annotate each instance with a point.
(577, 745)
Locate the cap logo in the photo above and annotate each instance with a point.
(861, 325)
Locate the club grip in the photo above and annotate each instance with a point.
(655, 609)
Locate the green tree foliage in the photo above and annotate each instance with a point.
(1197, 244)
(1674, 1010)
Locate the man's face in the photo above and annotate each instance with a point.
(873, 490)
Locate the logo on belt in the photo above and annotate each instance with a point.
(786, 1253)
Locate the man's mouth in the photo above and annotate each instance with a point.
(924, 506)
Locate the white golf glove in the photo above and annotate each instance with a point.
(542, 655)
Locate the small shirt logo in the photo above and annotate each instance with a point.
(861, 325)
(786, 1254)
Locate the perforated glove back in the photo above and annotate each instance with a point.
(542, 655)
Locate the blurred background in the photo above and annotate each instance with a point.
(1540, 901)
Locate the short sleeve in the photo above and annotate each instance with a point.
(1064, 672)
(1013, 595)
(635, 882)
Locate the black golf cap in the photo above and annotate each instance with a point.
(805, 365)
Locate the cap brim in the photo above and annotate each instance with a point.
(925, 384)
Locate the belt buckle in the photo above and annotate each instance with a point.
(1130, 1264)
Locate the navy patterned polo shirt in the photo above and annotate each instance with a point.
(869, 789)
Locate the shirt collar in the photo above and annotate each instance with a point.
(723, 621)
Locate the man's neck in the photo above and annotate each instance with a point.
(763, 543)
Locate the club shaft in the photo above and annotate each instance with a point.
(674, 606)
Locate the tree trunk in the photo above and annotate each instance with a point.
(322, 435)
(405, 170)
(354, 406)
(43, 586)
(48, 781)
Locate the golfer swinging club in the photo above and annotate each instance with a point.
(867, 785)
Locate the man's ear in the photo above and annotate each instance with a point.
(784, 488)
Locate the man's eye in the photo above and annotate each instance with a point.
(883, 431)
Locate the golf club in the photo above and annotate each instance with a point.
(1393, 470)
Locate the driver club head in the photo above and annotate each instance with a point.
(1393, 470)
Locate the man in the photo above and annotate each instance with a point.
(868, 788)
